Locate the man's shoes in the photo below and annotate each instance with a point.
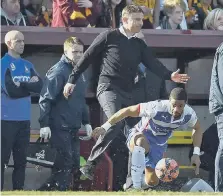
(46, 187)
(132, 189)
(88, 171)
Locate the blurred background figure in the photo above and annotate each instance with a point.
(11, 14)
(111, 11)
(174, 12)
(214, 20)
(38, 12)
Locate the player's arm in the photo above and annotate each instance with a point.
(139, 110)
(131, 111)
(90, 54)
(197, 135)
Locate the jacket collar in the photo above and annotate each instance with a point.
(66, 60)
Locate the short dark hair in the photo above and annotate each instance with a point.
(178, 94)
(130, 9)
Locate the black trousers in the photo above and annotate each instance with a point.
(111, 101)
(15, 136)
(67, 160)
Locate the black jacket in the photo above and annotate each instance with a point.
(145, 90)
(56, 111)
(216, 89)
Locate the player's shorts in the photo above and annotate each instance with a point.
(156, 150)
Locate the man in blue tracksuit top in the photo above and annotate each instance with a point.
(61, 118)
(18, 80)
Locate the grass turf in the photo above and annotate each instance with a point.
(166, 193)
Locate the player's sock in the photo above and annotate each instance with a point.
(138, 166)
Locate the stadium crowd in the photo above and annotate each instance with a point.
(163, 14)
(65, 79)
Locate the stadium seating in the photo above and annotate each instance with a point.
(182, 138)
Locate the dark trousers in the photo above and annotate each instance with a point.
(15, 136)
(219, 156)
(67, 159)
(111, 101)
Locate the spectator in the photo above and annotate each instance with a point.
(11, 15)
(173, 10)
(214, 20)
(192, 3)
(216, 108)
(75, 13)
(16, 87)
(36, 12)
(183, 24)
(111, 13)
(219, 4)
(196, 15)
(64, 116)
(209, 147)
(151, 10)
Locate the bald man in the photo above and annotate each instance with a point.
(18, 80)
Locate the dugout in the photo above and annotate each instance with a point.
(177, 49)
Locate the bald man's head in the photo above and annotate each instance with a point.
(15, 42)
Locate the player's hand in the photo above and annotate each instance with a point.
(195, 160)
(97, 132)
(68, 89)
(179, 78)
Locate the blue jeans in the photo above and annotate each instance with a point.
(219, 156)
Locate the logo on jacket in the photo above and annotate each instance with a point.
(26, 70)
(41, 154)
(12, 66)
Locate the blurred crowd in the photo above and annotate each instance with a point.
(159, 14)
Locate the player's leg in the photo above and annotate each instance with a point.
(110, 103)
(150, 179)
(155, 154)
(138, 146)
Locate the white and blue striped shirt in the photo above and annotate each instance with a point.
(157, 118)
